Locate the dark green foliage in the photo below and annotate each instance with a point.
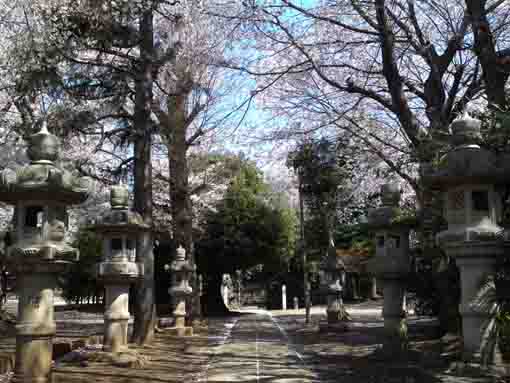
(355, 236)
(325, 169)
(245, 230)
(80, 284)
(496, 130)
(493, 298)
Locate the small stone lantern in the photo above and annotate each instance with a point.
(332, 287)
(469, 177)
(119, 229)
(334, 271)
(41, 193)
(391, 263)
(180, 290)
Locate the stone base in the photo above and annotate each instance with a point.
(179, 331)
(338, 327)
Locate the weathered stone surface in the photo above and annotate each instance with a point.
(391, 265)
(469, 176)
(40, 192)
(180, 291)
(119, 229)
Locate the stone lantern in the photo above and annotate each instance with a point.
(391, 263)
(334, 278)
(469, 177)
(40, 192)
(180, 290)
(119, 229)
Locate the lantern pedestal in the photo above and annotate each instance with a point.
(475, 262)
(395, 323)
(335, 314)
(179, 328)
(117, 277)
(36, 326)
(334, 309)
(116, 318)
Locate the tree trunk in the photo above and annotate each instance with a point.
(494, 74)
(145, 308)
(354, 281)
(182, 212)
(179, 186)
(444, 278)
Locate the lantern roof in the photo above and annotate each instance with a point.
(118, 218)
(44, 179)
(390, 215)
(467, 162)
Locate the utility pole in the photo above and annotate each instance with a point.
(306, 283)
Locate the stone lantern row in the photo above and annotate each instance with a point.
(472, 180)
(40, 193)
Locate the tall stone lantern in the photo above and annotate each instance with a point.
(180, 290)
(469, 177)
(119, 229)
(391, 263)
(40, 193)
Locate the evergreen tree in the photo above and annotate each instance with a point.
(243, 231)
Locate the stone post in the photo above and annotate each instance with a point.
(40, 192)
(468, 177)
(284, 297)
(239, 275)
(296, 303)
(181, 271)
(308, 301)
(391, 264)
(225, 289)
(119, 229)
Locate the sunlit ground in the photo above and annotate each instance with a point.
(276, 347)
